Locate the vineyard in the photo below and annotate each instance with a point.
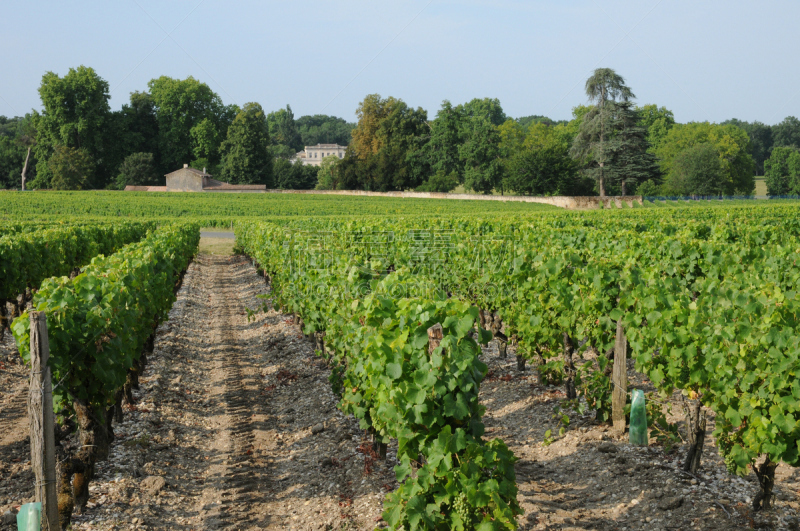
(408, 364)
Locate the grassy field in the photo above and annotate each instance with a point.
(761, 186)
(217, 246)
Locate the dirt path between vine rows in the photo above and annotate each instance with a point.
(16, 477)
(235, 426)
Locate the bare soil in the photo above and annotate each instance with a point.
(235, 427)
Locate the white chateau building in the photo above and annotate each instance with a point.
(313, 155)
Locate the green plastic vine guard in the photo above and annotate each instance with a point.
(638, 426)
(29, 517)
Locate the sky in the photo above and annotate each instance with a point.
(710, 60)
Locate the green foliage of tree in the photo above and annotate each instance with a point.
(371, 113)
(16, 141)
(387, 136)
(488, 108)
(280, 151)
(527, 121)
(760, 140)
(75, 114)
(440, 182)
(246, 155)
(542, 170)
(323, 129)
(192, 120)
(70, 168)
(787, 133)
(632, 162)
(697, 170)
(782, 171)
(445, 137)
(657, 121)
(206, 139)
(613, 148)
(606, 90)
(141, 124)
(733, 149)
(533, 158)
(480, 153)
(512, 137)
(297, 176)
(132, 129)
(138, 169)
(283, 130)
(11, 160)
(649, 188)
(540, 135)
(328, 176)
(606, 85)
(567, 131)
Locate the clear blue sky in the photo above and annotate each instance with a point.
(709, 60)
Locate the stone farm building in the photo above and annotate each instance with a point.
(189, 179)
(313, 155)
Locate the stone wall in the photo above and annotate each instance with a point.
(570, 203)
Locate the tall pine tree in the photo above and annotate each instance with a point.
(610, 144)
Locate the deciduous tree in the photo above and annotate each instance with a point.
(480, 154)
(297, 176)
(782, 171)
(75, 113)
(542, 170)
(488, 108)
(138, 169)
(190, 118)
(445, 137)
(283, 129)
(657, 121)
(323, 129)
(760, 141)
(439, 182)
(246, 156)
(733, 149)
(387, 136)
(697, 170)
(787, 133)
(327, 176)
(70, 168)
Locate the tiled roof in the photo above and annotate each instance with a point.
(198, 172)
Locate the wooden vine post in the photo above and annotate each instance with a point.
(435, 335)
(619, 393)
(42, 423)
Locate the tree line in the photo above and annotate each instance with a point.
(609, 147)
(78, 142)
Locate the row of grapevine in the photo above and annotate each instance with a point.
(98, 325)
(27, 258)
(16, 206)
(60, 205)
(709, 304)
(408, 369)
